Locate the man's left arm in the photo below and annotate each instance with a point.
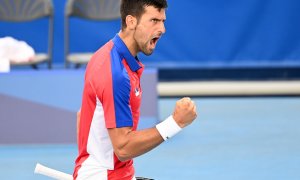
(128, 144)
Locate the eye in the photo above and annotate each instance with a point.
(155, 20)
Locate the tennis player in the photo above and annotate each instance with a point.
(108, 138)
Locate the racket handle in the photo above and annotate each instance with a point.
(40, 169)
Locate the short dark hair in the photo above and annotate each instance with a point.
(137, 8)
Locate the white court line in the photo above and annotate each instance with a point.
(223, 88)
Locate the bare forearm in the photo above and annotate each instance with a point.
(129, 144)
(135, 143)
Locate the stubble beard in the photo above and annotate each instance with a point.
(142, 47)
(145, 50)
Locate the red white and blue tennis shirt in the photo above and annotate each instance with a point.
(111, 99)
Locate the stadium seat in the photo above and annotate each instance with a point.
(25, 11)
(97, 10)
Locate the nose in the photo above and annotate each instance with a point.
(163, 28)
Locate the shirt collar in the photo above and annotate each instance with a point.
(125, 53)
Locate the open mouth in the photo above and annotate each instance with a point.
(154, 41)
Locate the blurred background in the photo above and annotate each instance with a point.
(200, 34)
(239, 61)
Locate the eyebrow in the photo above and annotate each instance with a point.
(156, 19)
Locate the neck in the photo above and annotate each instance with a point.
(128, 39)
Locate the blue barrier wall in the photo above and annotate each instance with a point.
(200, 33)
(40, 106)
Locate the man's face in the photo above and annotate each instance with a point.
(149, 29)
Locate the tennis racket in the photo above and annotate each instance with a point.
(55, 174)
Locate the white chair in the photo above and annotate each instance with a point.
(98, 10)
(26, 11)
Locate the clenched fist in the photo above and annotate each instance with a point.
(184, 112)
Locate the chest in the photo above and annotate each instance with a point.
(135, 90)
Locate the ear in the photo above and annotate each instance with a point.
(131, 22)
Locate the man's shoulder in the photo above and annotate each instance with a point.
(103, 51)
(100, 61)
(100, 57)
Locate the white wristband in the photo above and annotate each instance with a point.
(168, 128)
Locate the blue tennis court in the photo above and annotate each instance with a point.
(232, 138)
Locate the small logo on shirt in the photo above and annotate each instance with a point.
(137, 92)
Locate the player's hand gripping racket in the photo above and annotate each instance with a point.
(40, 169)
